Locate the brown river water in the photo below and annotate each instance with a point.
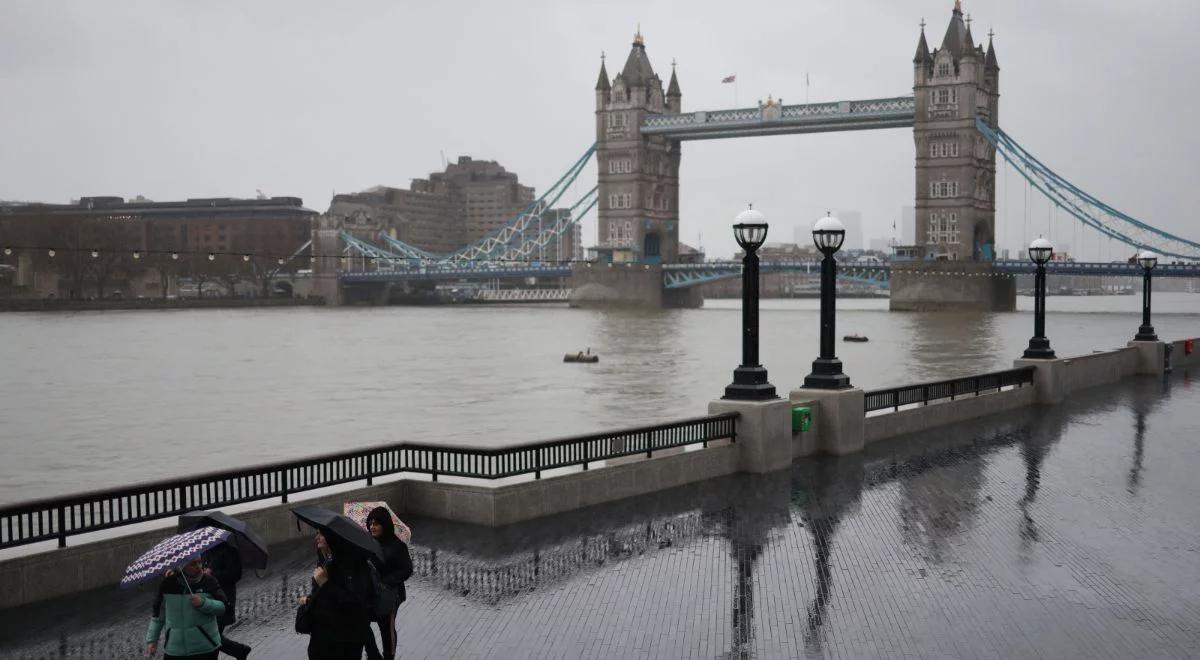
(97, 399)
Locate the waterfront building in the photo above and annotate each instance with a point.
(114, 228)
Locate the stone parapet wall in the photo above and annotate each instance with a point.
(922, 418)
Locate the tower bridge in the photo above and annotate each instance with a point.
(640, 126)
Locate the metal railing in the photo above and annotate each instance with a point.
(60, 517)
(923, 393)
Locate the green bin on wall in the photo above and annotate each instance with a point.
(801, 418)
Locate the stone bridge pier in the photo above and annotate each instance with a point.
(629, 285)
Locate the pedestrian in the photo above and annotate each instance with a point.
(394, 569)
(224, 562)
(186, 608)
(336, 614)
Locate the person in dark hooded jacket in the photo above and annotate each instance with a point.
(338, 605)
(395, 568)
(224, 562)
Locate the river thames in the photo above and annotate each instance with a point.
(98, 399)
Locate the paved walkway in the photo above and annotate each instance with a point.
(1064, 532)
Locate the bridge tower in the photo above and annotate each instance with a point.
(955, 177)
(639, 174)
(955, 166)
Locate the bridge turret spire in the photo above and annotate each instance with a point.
(673, 86)
(637, 71)
(922, 56)
(602, 84)
(955, 40)
(990, 63)
(968, 42)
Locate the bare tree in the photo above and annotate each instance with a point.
(109, 244)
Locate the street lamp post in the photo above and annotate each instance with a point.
(1040, 251)
(828, 234)
(1147, 260)
(750, 379)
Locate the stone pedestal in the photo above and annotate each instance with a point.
(1047, 379)
(764, 433)
(839, 417)
(1152, 356)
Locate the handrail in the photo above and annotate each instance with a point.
(58, 517)
(923, 393)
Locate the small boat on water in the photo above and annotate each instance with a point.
(581, 357)
(855, 337)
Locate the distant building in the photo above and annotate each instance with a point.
(113, 228)
(445, 212)
(690, 255)
(852, 220)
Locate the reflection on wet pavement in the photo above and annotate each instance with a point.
(1056, 532)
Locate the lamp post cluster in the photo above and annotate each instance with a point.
(750, 378)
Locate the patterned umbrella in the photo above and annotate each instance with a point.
(171, 553)
(358, 511)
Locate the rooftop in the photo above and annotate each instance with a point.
(141, 206)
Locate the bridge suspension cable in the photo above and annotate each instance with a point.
(1084, 207)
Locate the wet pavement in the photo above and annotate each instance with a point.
(1070, 531)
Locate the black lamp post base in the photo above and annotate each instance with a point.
(827, 375)
(1039, 349)
(1145, 333)
(750, 384)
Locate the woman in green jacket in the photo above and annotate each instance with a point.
(187, 607)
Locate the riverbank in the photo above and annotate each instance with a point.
(64, 305)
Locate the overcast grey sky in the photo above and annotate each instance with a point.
(174, 99)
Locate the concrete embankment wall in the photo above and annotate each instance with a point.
(941, 413)
(100, 563)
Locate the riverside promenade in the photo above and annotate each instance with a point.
(1049, 531)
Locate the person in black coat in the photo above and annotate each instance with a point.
(395, 568)
(224, 563)
(337, 611)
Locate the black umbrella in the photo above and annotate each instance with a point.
(339, 527)
(251, 547)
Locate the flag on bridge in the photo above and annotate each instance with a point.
(729, 79)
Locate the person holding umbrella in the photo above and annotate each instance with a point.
(244, 548)
(188, 601)
(394, 569)
(345, 591)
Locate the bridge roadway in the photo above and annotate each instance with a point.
(677, 276)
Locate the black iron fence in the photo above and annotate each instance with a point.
(60, 517)
(923, 393)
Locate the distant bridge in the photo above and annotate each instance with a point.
(680, 276)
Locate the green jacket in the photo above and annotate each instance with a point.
(190, 630)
